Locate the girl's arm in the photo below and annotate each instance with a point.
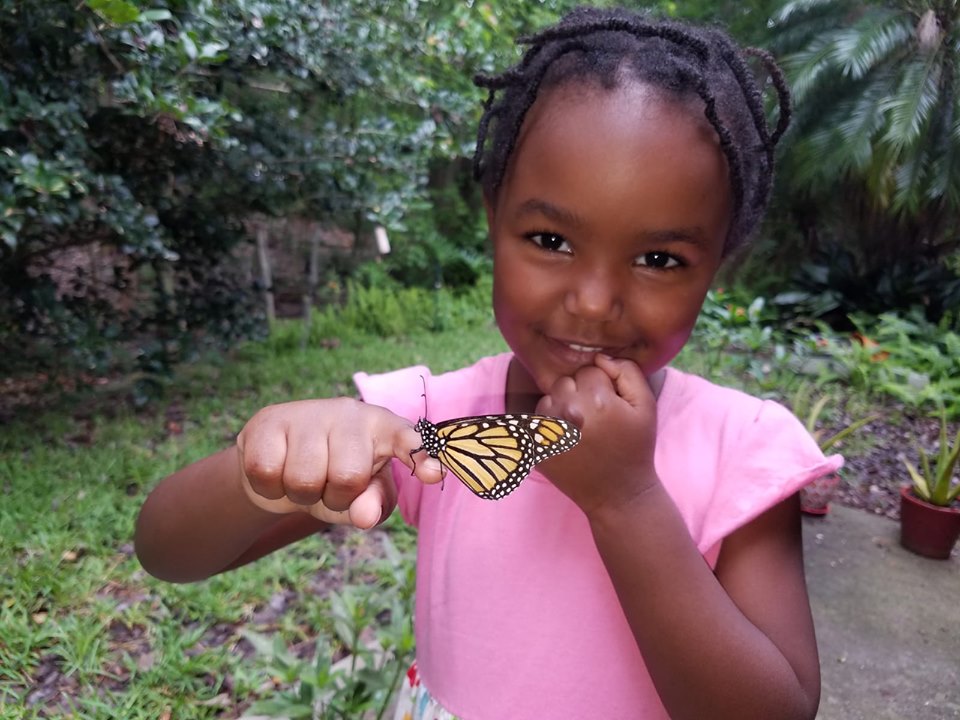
(295, 468)
(199, 522)
(735, 643)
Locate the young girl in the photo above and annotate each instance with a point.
(653, 571)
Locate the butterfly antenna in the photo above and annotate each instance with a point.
(424, 395)
(425, 415)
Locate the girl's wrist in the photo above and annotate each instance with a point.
(637, 500)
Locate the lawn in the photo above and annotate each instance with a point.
(85, 633)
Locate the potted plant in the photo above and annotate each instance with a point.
(815, 497)
(929, 507)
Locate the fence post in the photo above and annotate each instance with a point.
(310, 293)
(266, 279)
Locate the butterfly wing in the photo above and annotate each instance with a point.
(491, 454)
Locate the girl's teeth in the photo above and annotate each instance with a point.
(583, 348)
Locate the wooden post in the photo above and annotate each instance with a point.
(266, 278)
(310, 293)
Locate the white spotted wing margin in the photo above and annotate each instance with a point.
(491, 454)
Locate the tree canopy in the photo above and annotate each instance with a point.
(154, 129)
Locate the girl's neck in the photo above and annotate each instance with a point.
(521, 394)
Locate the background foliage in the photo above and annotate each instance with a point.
(871, 173)
(139, 137)
(151, 131)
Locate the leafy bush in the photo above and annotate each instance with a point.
(836, 284)
(154, 132)
(735, 329)
(361, 684)
(907, 358)
(386, 309)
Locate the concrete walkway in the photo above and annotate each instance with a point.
(888, 621)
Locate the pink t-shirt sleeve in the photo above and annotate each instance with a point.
(771, 458)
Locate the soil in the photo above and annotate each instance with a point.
(872, 475)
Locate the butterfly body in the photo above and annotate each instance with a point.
(491, 454)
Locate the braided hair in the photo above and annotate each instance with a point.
(613, 46)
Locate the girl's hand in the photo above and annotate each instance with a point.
(328, 458)
(616, 411)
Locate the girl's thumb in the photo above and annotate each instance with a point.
(628, 380)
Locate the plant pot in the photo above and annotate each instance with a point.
(815, 498)
(928, 530)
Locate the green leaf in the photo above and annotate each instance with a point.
(118, 12)
(919, 482)
(189, 46)
(846, 432)
(155, 15)
(945, 468)
(211, 50)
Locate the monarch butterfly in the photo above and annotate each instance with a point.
(491, 454)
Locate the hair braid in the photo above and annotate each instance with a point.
(524, 103)
(613, 46)
(783, 91)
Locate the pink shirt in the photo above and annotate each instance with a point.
(515, 614)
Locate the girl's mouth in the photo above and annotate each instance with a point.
(578, 352)
(584, 348)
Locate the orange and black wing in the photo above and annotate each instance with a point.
(491, 454)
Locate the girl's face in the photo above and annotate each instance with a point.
(607, 231)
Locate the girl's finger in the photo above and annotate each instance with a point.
(627, 378)
(305, 470)
(425, 468)
(374, 503)
(262, 462)
(280, 505)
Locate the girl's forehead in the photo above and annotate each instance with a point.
(630, 104)
(633, 127)
(634, 156)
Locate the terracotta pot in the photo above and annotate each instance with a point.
(815, 498)
(928, 530)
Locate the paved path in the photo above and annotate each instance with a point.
(888, 621)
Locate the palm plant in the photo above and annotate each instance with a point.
(877, 132)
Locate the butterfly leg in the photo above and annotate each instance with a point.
(416, 450)
(443, 471)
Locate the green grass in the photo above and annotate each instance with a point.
(76, 607)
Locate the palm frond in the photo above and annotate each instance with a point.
(945, 170)
(909, 109)
(910, 178)
(862, 48)
(806, 67)
(801, 10)
(859, 120)
(874, 104)
(794, 29)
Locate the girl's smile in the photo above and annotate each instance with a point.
(606, 241)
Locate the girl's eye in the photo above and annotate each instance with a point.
(549, 241)
(659, 260)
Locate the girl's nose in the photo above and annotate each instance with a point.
(593, 295)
